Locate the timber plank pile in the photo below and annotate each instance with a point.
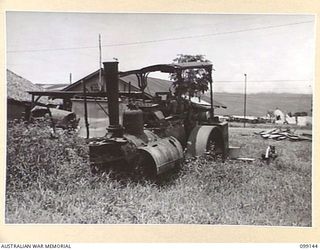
(287, 134)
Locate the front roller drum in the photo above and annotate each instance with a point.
(160, 156)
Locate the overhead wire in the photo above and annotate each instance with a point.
(161, 40)
(264, 81)
(177, 38)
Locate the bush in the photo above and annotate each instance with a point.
(36, 157)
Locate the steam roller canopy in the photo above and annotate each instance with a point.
(164, 154)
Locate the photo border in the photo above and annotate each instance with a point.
(162, 233)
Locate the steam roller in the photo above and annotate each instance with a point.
(148, 141)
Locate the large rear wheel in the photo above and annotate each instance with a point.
(215, 145)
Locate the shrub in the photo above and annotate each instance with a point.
(36, 157)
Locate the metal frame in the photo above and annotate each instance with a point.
(177, 68)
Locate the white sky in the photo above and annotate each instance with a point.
(275, 51)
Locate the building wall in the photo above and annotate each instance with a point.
(97, 109)
(98, 118)
(91, 85)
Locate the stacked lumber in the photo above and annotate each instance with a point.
(278, 134)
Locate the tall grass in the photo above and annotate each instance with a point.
(48, 181)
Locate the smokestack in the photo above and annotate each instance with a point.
(112, 86)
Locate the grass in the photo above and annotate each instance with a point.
(48, 181)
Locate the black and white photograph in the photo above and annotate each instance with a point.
(159, 118)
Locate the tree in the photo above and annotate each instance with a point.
(195, 81)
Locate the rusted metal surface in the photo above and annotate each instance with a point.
(107, 152)
(234, 152)
(155, 132)
(60, 118)
(176, 68)
(168, 68)
(142, 139)
(165, 153)
(133, 122)
(112, 86)
(270, 154)
(203, 137)
(198, 140)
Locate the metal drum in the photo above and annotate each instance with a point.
(165, 153)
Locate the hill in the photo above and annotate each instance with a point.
(258, 104)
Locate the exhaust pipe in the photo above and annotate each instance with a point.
(112, 86)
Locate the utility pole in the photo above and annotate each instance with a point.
(245, 101)
(100, 74)
(311, 101)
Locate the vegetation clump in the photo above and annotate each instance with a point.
(38, 158)
(49, 181)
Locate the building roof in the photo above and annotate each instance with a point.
(52, 87)
(71, 86)
(61, 94)
(18, 87)
(154, 84)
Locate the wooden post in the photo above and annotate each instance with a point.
(85, 107)
(28, 115)
(32, 101)
(211, 94)
(100, 62)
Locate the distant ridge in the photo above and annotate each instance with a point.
(259, 103)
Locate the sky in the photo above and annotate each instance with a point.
(277, 52)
